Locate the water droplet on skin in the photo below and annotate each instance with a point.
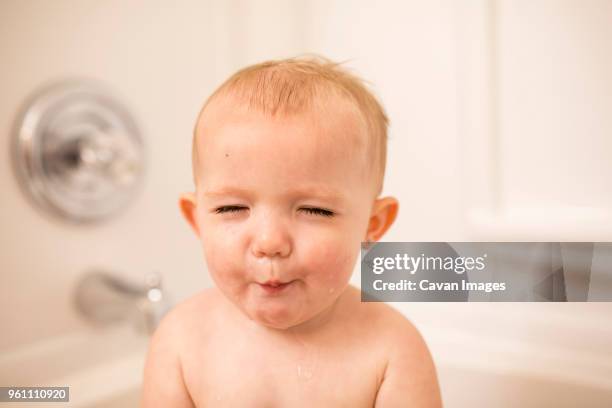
(303, 372)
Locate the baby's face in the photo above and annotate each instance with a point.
(282, 201)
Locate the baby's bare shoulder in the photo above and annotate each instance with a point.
(396, 332)
(164, 383)
(190, 318)
(199, 307)
(395, 326)
(186, 309)
(410, 373)
(381, 318)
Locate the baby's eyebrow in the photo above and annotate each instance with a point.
(322, 192)
(224, 191)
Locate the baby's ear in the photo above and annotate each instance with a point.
(382, 217)
(188, 204)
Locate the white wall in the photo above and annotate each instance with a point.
(163, 60)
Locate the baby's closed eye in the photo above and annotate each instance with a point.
(310, 210)
(230, 209)
(318, 211)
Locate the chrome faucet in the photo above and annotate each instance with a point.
(104, 298)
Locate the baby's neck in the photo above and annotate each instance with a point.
(311, 328)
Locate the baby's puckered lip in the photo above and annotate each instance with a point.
(275, 283)
(273, 287)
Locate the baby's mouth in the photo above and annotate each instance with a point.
(272, 287)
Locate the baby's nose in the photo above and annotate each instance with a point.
(271, 241)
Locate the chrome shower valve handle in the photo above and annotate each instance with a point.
(78, 152)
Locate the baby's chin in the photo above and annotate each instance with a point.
(276, 316)
(292, 313)
(292, 307)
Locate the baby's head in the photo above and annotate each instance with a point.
(288, 162)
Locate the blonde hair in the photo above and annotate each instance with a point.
(297, 85)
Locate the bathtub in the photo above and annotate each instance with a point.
(469, 388)
(124, 399)
(103, 368)
(519, 354)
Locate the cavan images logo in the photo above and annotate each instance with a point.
(489, 271)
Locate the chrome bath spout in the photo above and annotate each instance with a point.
(104, 298)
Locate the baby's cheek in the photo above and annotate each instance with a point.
(331, 262)
(221, 256)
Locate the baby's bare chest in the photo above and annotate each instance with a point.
(243, 373)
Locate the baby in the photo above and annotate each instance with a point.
(288, 162)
